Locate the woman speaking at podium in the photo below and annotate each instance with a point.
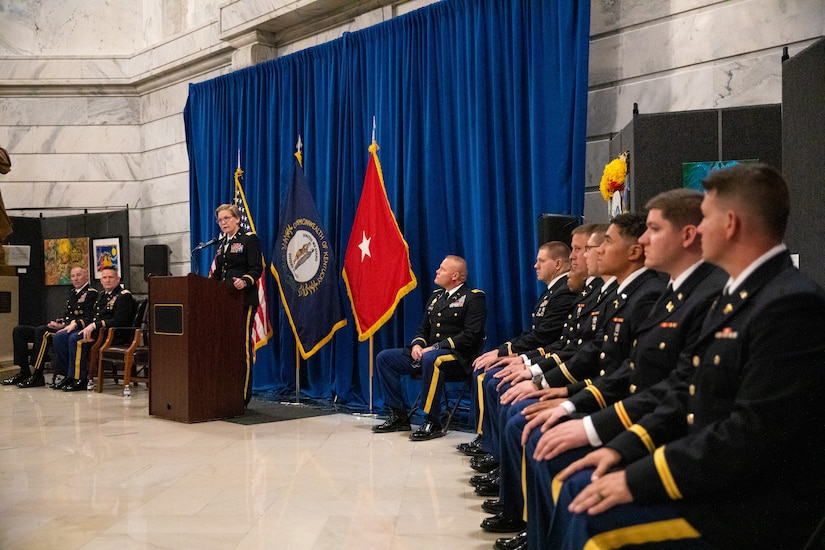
(239, 262)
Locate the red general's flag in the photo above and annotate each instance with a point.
(377, 268)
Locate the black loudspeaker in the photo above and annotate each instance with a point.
(556, 227)
(155, 260)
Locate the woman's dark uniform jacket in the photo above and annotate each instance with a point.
(738, 448)
(240, 256)
(456, 323)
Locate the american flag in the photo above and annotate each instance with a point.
(261, 327)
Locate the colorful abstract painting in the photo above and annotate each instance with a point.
(61, 255)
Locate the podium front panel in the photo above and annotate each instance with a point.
(196, 348)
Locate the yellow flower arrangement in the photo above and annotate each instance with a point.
(614, 176)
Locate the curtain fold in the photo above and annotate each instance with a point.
(480, 111)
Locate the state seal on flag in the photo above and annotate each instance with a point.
(302, 256)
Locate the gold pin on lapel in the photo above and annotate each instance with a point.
(728, 309)
(669, 307)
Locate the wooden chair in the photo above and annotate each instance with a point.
(132, 353)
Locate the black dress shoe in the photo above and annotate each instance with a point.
(476, 443)
(484, 464)
(500, 524)
(492, 476)
(16, 379)
(428, 430)
(398, 421)
(475, 451)
(76, 385)
(492, 506)
(63, 383)
(472, 448)
(34, 381)
(519, 542)
(488, 489)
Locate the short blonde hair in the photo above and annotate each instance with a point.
(460, 266)
(231, 208)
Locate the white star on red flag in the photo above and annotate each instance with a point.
(365, 246)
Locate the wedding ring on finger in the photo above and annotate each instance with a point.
(600, 495)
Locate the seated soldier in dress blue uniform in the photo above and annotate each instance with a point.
(448, 340)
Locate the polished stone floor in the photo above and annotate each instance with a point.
(92, 470)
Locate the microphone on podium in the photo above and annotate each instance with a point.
(207, 243)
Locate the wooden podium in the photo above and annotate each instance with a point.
(196, 349)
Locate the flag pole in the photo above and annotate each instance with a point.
(298, 155)
(297, 375)
(371, 349)
(371, 336)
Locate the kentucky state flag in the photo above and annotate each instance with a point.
(304, 267)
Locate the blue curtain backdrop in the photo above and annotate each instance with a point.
(480, 108)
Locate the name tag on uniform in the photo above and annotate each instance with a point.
(236, 248)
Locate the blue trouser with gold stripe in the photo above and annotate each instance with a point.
(659, 526)
(392, 364)
(512, 487)
(72, 354)
(249, 359)
(538, 478)
(492, 407)
(478, 408)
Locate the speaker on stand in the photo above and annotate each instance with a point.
(555, 227)
(155, 260)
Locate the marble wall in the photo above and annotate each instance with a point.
(685, 55)
(92, 91)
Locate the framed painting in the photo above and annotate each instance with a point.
(61, 255)
(106, 253)
(694, 172)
